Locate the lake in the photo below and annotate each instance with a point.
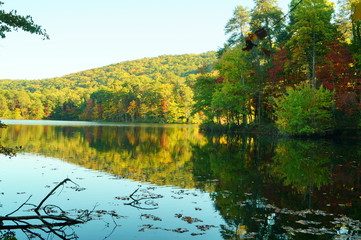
(154, 181)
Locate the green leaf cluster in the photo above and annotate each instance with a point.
(304, 110)
(11, 21)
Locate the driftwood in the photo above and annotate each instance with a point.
(49, 223)
(137, 202)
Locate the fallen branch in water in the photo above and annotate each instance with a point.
(146, 200)
(18, 207)
(56, 226)
(52, 191)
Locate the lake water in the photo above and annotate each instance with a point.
(145, 181)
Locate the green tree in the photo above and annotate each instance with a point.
(343, 19)
(350, 28)
(311, 29)
(238, 25)
(203, 92)
(4, 110)
(185, 101)
(11, 21)
(36, 109)
(304, 110)
(235, 72)
(229, 102)
(266, 14)
(132, 109)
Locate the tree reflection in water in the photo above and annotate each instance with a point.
(274, 188)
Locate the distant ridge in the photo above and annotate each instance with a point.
(155, 68)
(155, 89)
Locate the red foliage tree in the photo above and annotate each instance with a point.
(340, 74)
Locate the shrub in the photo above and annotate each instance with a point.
(304, 110)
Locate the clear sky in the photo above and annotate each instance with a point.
(86, 34)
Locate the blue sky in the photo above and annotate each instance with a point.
(86, 34)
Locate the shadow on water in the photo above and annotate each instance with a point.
(262, 187)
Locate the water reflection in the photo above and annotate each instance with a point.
(157, 155)
(262, 187)
(303, 164)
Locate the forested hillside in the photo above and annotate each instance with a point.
(148, 90)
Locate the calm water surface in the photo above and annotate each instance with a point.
(186, 184)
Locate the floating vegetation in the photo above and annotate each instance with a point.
(150, 216)
(336, 225)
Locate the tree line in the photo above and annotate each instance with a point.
(146, 90)
(302, 75)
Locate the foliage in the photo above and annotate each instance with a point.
(311, 30)
(6, 150)
(238, 25)
(228, 89)
(302, 164)
(147, 90)
(309, 46)
(304, 110)
(160, 155)
(266, 14)
(11, 21)
(203, 92)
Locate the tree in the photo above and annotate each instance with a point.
(11, 21)
(304, 110)
(230, 102)
(235, 72)
(266, 14)
(311, 29)
(203, 92)
(350, 25)
(238, 25)
(4, 110)
(343, 19)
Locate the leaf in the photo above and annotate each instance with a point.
(150, 216)
(191, 220)
(205, 227)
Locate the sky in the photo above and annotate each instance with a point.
(86, 34)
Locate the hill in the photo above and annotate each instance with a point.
(158, 68)
(138, 90)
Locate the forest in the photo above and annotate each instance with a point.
(146, 90)
(299, 72)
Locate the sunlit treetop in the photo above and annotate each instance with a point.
(11, 21)
(356, 16)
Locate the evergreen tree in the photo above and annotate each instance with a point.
(311, 29)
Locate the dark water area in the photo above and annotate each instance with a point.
(195, 185)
